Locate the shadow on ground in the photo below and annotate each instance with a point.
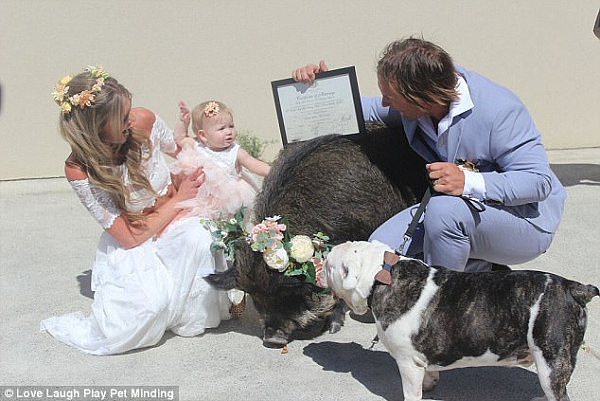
(85, 284)
(577, 174)
(377, 371)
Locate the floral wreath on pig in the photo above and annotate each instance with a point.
(292, 255)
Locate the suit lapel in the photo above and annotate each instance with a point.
(417, 140)
(455, 133)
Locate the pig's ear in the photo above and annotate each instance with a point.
(349, 276)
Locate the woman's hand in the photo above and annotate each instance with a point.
(306, 74)
(188, 187)
(447, 178)
(164, 211)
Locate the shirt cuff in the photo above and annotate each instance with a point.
(474, 185)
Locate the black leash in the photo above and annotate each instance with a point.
(410, 231)
(474, 204)
(384, 276)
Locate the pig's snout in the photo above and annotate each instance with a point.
(274, 338)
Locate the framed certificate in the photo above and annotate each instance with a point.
(330, 105)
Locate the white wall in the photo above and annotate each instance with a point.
(230, 50)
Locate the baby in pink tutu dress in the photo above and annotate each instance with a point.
(227, 187)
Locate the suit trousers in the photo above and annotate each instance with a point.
(452, 235)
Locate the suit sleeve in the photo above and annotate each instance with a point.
(524, 174)
(374, 111)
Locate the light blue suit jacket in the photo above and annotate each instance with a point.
(499, 136)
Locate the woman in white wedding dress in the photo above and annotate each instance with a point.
(151, 259)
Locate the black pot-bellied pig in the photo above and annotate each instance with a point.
(343, 188)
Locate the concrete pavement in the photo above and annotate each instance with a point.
(47, 242)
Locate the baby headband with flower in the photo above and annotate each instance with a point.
(83, 98)
(291, 255)
(211, 109)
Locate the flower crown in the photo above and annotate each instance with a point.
(83, 98)
(291, 255)
(212, 109)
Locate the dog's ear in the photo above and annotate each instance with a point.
(363, 288)
(371, 260)
(349, 275)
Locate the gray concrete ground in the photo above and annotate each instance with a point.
(47, 242)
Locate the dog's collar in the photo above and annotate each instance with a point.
(384, 276)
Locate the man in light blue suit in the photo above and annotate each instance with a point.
(481, 143)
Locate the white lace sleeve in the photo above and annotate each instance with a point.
(163, 135)
(97, 201)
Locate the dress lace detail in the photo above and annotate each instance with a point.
(100, 203)
(97, 201)
(155, 165)
(164, 134)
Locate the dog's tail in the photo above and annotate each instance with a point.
(583, 293)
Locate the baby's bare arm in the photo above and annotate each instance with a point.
(252, 164)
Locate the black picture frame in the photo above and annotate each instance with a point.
(347, 99)
(597, 26)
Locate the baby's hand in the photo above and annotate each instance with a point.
(184, 113)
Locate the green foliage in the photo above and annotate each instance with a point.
(226, 231)
(252, 144)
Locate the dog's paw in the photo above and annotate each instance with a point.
(334, 327)
(430, 380)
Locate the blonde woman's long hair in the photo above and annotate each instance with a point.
(81, 128)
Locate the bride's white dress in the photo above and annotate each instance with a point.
(143, 291)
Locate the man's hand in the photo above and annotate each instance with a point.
(447, 178)
(306, 74)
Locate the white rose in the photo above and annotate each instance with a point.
(276, 259)
(302, 248)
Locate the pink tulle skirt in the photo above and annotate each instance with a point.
(222, 193)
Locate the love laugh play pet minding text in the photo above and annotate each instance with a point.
(89, 393)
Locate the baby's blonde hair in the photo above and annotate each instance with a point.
(201, 113)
